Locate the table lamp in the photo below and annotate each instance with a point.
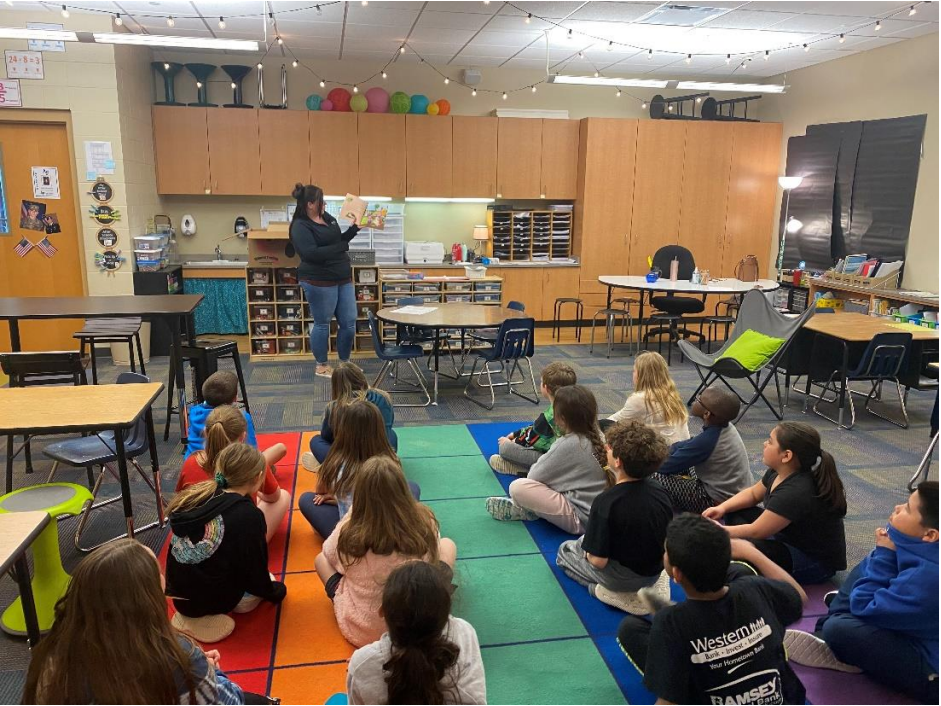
(787, 183)
(481, 235)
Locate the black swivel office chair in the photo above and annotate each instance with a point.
(670, 308)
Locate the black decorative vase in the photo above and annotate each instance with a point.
(236, 74)
(168, 70)
(202, 72)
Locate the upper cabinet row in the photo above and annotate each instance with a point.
(251, 152)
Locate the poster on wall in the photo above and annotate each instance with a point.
(24, 64)
(51, 221)
(98, 157)
(45, 44)
(45, 182)
(10, 96)
(31, 215)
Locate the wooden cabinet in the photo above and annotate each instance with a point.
(234, 162)
(381, 154)
(428, 155)
(523, 284)
(559, 158)
(558, 282)
(181, 150)
(283, 137)
(519, 158)
(474, 156)
(334, 154)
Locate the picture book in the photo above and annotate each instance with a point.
(353, 208)
(376, 218)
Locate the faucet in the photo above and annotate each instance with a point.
(218, 252)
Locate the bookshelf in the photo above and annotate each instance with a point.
(527, 235)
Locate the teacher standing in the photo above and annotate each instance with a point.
(325, 273)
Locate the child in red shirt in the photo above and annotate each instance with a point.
(226, 425)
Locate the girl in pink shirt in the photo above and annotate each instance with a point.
(385, 528)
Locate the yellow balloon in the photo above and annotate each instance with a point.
(433, 109)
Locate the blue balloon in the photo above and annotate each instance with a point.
(313, 102)
(419, 104)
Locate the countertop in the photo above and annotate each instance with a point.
(229, 264)
(519, 265)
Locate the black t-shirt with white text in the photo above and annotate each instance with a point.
(727, 651)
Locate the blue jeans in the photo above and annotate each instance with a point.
(325, 303)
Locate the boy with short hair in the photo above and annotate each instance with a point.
(622, 548)
(884, 619)
(713, 465)
(218, 389)
(521, 449)
(725, 643)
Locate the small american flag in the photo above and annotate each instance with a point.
(48, 249)
(23, 247)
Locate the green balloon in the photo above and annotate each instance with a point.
(400, 102)
(358, 103)
(313, 102)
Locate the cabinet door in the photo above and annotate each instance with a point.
(519, 158)
(751, 221)
(428, 155)
(559, 158)
(234, 162)
(558, 282)
(382, 155)
(658, 185)
(334, 152)
(283, 138)
(474, 156)
(523, 285)
(181, 150)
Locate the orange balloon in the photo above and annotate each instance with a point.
(443, 107)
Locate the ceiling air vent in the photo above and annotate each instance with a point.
(682, 15)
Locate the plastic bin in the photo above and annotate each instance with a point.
(119, 352)
(150, 242)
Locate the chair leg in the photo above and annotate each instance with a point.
(9, 469)
(475, 380)
(877, 385)
(170, 385)
(94, 363)
(823, 398)
(532, 378)
(140, 353)
(236, 360)
(130, 353)
(421, 381)
(579, 315)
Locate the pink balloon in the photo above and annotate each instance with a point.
(326, 104)
(378, 99)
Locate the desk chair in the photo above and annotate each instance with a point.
(391, 356)
(515, 341)
(670, 303)
(117, 330)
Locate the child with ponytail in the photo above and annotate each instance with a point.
(801, 525)
(218, 558)
(224, 426)
(427, 656)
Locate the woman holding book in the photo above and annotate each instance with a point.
(325, 273)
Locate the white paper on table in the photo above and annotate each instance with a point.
(415, 310)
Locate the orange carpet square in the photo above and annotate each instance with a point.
(309, 631)
(309, 685)
(305, 545)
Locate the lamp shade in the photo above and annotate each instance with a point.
(789, 182)
(481, 233)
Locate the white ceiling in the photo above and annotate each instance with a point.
(495, 34)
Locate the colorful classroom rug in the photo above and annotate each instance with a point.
(544, 640)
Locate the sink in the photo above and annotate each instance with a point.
(216, 263)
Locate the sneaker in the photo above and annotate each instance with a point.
(505, 510)
(323, 371)
(828, 598)
(310, 462)
(208, 629)
(810, 651)
(656, 597)
(628, 601)
(501, 465)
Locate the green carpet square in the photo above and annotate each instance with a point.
(436, 441)
(454, 477)
(513, 599)
(563, 672)
(467, 522)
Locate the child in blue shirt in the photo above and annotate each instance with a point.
(219, 388)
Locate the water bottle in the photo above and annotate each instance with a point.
(696, 278)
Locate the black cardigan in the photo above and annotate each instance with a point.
(323, 249)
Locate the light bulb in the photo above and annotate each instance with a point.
(446, 80)
(402, 49)
(689, 58)
(221, 23)
(319, 11)
(649, 54)
(534, 89)
(117, 20)
(529, 18)
(279, 40)
(259, 65)
(170, 21)
(294, 63)
(65, 11)
(569, 35)
(486, 2)
(643, 106)
(618, 94)
(670, 107)
(878, 25)
(474, 92)
(271, 18)
(322, 83)
(355, 89)
(233, 86)
(581, 55)
(728, 59)
(610, 46)
(385, 75)
(166, 66)
(842, 38)
(199, 84)
(364, 3)
(912, 11)
(768, 54)
(742, 66)
(504, 95)
(699, 99)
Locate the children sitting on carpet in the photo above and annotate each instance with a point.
(348, 383)
(226, 425)
(655, 400)
(801, 525)
(521, 449)
(112, 642)
(360, 436)
(725, 643)
(622, 548)
(712, 466)
(218, 558)
(884, 620)
(564, 482)
(428, 656)
(385, 528)
(220, 388)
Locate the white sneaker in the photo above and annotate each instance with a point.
(501, 465)
(656, 597)
(627, 601)
(505, 510)
(207, 629)
(323, 371)
(810, 651)
(310, 462)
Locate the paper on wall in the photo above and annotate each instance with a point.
(99, 157)
(24, 64)
(271, 215)
(45, 44)
(10, 96)
(45, 183)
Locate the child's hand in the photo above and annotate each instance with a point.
(213, 657)
(324, 498)
(882, 539)
(713, 513)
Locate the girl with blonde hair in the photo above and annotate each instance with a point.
(655, 401)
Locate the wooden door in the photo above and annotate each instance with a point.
(658, 186)
(23, 146)
(519, 158)
(283, 137)
(559, 158)
(705, 194)
(382, 155)
(558, 282)
(334, 152)
(181, 149)
(428, 155)
(750, 223)
(234, 162)
(605, 199)
(474, 156)
(523, 285)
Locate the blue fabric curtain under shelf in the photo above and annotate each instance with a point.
(223, 308)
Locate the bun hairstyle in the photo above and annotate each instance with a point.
(224, 426)
(305, 195)
(804, 442)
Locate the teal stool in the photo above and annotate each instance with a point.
(49, 578)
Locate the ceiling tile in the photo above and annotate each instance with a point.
(395, 34)
(748, 19)
(516, 23)
(551, 10)
(888, 27)
(456, 38)
(506, 39)
(819, 23)
(452, 20)
(475, 8)
(380, 17)
(916, 31)
(875, 43)
(614, 11)
(297, 30)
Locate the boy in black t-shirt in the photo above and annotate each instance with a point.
(622, 548)
(725, 643)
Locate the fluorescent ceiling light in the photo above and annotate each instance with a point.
(56, 35)
(444, 199)
(157, 40)
(736, 87)
(605, 81)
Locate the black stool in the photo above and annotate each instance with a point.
(116, 330)
(671, 326)
(712, 332)
(203, 357)
(557, 313)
